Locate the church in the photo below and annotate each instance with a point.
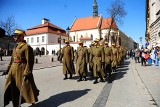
(87, 29)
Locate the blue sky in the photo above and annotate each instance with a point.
(29, 13)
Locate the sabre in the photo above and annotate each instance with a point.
(20, 95)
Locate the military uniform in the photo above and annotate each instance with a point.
(20, 65)
(120, 55)
(108, 59)
(81, 62)
(114, 58)
(68, 57)
(97, 57)
(90, 63)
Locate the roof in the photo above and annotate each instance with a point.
(92, 23)
(46, 28)
(106, 23)
(85, 23)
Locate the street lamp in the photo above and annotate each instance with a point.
(67, 30)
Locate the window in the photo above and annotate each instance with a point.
(32, 40)
(27, 40)
(74, 38)
(42, 38)
(91, 36)
(37, 39)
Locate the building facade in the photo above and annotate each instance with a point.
(45, 36)
(153, 22)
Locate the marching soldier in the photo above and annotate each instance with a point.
(68, 58)
(90, 63)
(81, 61)
(59, 54)
(120, 54)
(114, 57)
(20, 86)
(108, 59)
(97, 57)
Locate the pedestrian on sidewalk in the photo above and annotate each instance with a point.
(136, 51)
(156, 56)
(153, 55)
(1, 54)
(143, 61)
(20, 86)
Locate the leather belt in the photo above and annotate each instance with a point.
(20, 61)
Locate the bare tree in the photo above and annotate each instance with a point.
(9, 25)
(116, 11)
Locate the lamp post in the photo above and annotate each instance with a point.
(67, 30)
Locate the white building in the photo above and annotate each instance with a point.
(153, 21)
(45, 37)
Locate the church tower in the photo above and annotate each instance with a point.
(95, 9)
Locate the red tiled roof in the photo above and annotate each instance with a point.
(106, 23)
(85, 23)
(46, 28)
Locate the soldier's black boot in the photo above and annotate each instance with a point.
(85, 79)
(65, 77)
(101, 78)
(96, 81)
(70, 76)
(80, 78)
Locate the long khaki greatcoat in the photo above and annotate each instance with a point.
(115, 57)
(81, 61)
(68, 58)
(90, 63)
(108, 55)
(97, 57)
(120, 54)
(16, 71)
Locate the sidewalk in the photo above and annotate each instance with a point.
(135, 86)
(43, 62)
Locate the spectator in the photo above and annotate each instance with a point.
(152, 55)
(136, 55)
(1, 54)
(157, 56)
(143, 61)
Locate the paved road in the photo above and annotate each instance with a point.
(132, 85)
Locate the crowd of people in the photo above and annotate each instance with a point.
(145, 56)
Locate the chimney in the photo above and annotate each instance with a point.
(44, 20)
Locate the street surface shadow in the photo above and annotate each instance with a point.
(120, 72)
(64, 97)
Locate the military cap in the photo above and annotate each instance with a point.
(92, 43)
(113, 44)
(80, 42)
(18, 32)
(106, 43)
(96, 40)
(66, 41)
